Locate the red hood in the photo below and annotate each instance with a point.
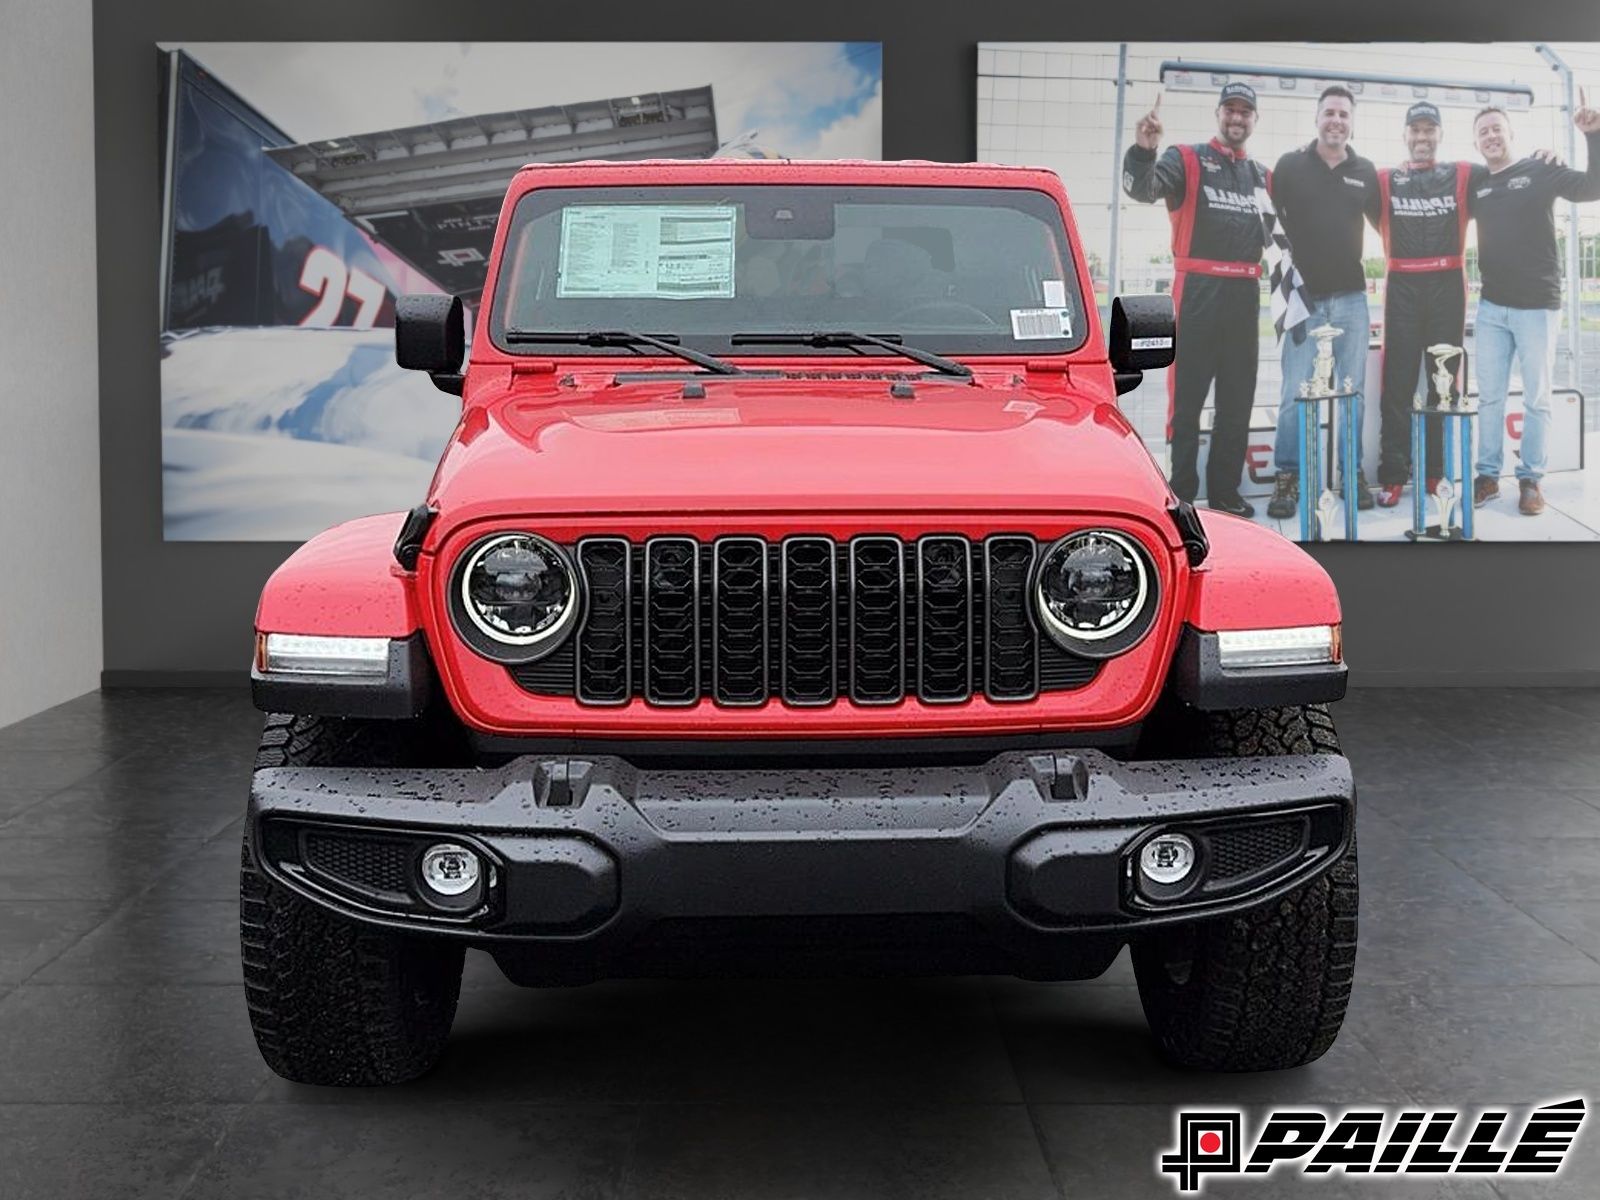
(793, 445)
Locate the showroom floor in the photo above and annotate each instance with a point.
(127, 1066)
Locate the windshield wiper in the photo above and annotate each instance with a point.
(884, 341)
(618, 337)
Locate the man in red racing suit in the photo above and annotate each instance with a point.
(1424, 227)
(1217, 242)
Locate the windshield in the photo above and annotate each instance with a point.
(951, 270)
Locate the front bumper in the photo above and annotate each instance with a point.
(591, 867)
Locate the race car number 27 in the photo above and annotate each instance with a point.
(325, 275)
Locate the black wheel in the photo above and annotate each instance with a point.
(1265, 989)
(331, 1001)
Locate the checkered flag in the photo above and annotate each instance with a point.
(1291, 307)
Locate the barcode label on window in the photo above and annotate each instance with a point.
(1031, 324)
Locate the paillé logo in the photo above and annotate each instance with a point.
(1373, 1141)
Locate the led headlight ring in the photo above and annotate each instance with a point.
(1095, 571)
(506, 589)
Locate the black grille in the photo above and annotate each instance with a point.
(944, 619)
(740, 591)
(1060, 671)
(369, 863)
(671, 620)
(742, 620)
(810, 583)
(1012, 640)
(877, 620)
(605, 642)
(552, 675)
(1248, 849)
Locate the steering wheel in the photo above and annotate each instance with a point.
(929, 307)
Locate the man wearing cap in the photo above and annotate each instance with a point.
(1520, 310)
(1217, 243)
(1423, 220)
(1322, 193)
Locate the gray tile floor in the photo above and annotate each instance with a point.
(127, 1068)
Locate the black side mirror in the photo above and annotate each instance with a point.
(430, 335)
(1144, 336)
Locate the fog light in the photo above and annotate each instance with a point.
(1167, 858)
(450, 870)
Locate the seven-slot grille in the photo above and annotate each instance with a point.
(742, 620)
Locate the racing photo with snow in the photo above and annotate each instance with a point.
(1384, 260)
(307, 185)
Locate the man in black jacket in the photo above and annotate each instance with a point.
(1322, 192)
(1520, 310)
(1217, 243)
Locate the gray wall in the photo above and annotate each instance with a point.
(1503, 614)
(50, 635)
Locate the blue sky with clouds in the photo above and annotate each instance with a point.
(804, 99)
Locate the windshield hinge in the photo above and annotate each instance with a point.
(1190, 531)
(408, 546)
(536, 366)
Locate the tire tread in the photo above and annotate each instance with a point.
(1267, 988)
(332, 1001)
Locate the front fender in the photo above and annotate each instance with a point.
(345, 581)
(1254, 578)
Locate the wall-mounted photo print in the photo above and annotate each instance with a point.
(307, 185)
(1384, 259)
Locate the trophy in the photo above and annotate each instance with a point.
(1321, 380)
(1320, 387)
(1454, 411)
(1444, 356)
(1444, 502)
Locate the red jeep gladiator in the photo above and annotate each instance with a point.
(793, 596)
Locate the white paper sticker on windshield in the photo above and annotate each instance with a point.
(1032, 324)
(1055, 293)
(666, 252)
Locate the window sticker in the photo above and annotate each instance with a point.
(1055, 293)
(665, 252)
(1032, 324)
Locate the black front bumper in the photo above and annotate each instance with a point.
(1024, 863)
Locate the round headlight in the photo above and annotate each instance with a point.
(518, 591)
(1095, 593)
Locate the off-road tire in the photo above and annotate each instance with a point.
(332, 1001)
(298, 740)
(1266, 989)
